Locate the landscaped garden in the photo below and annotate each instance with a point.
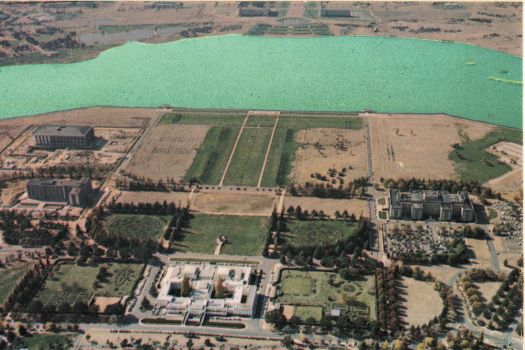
(70, 283)
(305, 233)
(310, 290)
(137, 226)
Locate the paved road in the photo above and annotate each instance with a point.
(494, 259)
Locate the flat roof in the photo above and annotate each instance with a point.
(62, 130)
(57, 182)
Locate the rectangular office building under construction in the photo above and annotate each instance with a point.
(72, 192)
(62, 136)
(428, 204)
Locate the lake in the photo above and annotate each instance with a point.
(343, 74)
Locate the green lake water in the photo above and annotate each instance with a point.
(301, 74)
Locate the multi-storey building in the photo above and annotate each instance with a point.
(61, 136)
(72, 192)
(190, 290)
(439, 205)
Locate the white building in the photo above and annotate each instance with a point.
(238, 299)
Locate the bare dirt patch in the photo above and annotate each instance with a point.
(325, 148)
(149, 197)
(442, 273)
(423, 303)
(167, 151)
(112, 144)
(11, 192)
(329, 206)
(233, 204)
(488, 289)
(511, 183)
(103, 302)
(97, 116)
(481, 252)
(405, 146)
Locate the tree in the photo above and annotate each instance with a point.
(219, 289)
(186, 287)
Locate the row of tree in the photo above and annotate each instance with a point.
(327, 190)
(132, 182)
(448, 185)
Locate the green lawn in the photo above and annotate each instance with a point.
(473, 163)
(317, 232)
(246, 234)
(70, 282)
(381, 201)
(382, 215)
(212, 156)
(306, 312)
(299, 121)
(9, 277)
(282, 154)
(47, 341)
(203, 118)
(248, 159)
(137, 226)
(260, 120)
(325, 289)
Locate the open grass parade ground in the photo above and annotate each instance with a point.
(245, 234)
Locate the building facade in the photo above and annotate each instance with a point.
(72, 192)
(238, 298)
(60, 136)
(423, 204)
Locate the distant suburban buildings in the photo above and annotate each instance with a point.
(335, 9)
(196, 290)
(422, 204)
(62, 136)
(256, 9)
(72, 192)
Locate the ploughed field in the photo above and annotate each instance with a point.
(390, 75)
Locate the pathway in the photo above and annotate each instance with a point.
(268, 151)
(295, 9)
(233, 150)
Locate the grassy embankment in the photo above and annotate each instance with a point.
(471, 160)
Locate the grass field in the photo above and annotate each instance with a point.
(298, 121)
(246, 234)
(472, 162)
(317, 232)
(9, 277)
(284, 145)
(137, 226)
(306, 312)
(248, 159)
(260, 121)
(71, 283)
(212, 156)
(280, 159)
(202, 118)
(47, 342)
(326, 290)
